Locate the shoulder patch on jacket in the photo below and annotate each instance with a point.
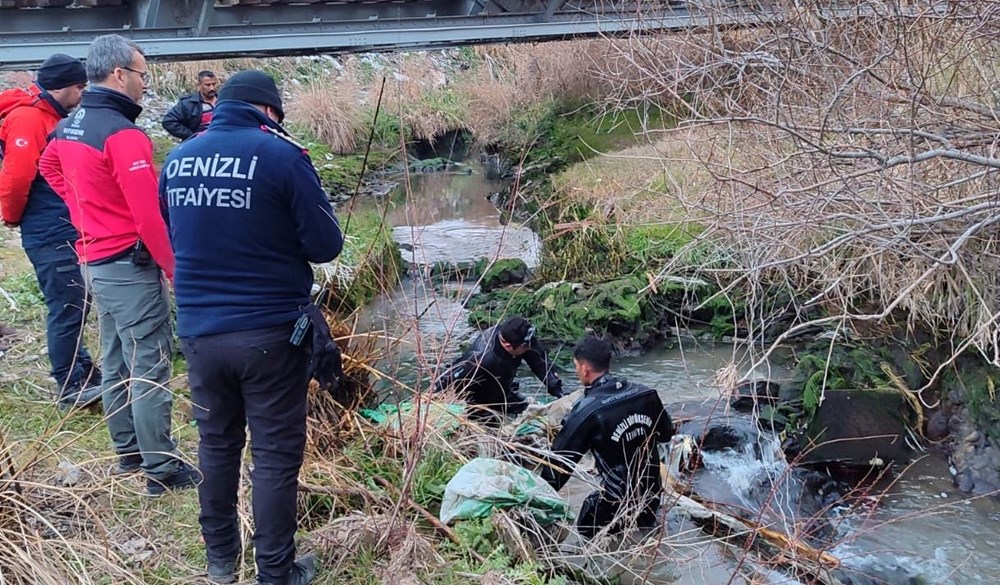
(285, 137)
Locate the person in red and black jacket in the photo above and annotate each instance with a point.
(27, 118)
(101, 164)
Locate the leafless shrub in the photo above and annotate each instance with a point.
(851, 152)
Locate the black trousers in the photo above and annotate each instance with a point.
(257, 378)
(598, 512)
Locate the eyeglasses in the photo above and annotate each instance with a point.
(144, 75)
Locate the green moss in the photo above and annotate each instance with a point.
(369, 263)
(162, 145)
(596, 248)
(504, 272)
(339, 173)
(650, 244)
(976, 382)
(446, 271)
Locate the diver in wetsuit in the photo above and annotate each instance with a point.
(485, 373)
(620, 422)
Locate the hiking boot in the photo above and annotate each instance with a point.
(303, 572)
(130, 463)
(79, 397)
(222, 572)
(93, 376)
(185, 477)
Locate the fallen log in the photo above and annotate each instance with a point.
(775, 546)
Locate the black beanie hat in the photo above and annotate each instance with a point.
(61, 70)
(253, 87)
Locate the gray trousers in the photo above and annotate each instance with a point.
(134, 316)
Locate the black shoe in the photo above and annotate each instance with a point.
(185, 477)
(222, 572)
(303, 572)
(77, 397)
(93, 376)
(127, 464)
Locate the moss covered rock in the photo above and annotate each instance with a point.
(623, 310)
(504, 272)
(849, 403)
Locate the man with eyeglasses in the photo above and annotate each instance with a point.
(485, 373)
(101, 164)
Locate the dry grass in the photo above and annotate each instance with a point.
(513, 82)
(176, 79)
(636, 185)
(328, 109)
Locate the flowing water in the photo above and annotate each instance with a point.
(924, 528)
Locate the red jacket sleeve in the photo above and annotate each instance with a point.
(50, 166)
(24, 139)
(130, 157)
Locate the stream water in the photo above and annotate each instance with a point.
(923, 530)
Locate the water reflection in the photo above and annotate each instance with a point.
(448, 218)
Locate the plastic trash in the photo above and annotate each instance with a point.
(484, 485)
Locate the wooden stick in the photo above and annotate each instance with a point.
(817, 564)
(438, 526)
(337, 492)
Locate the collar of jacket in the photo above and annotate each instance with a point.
(234, 113)
(599, 384)
(103, 97)
(47, 98)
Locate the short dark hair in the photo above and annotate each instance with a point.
(517, 331)
(594, 351)
(205, 73)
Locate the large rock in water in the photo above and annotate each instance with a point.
(504, 272)
(859, 427)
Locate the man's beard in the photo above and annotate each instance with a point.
(211, 94)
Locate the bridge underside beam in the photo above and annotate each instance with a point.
(177, 30)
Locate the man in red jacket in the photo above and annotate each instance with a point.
(101, 164)
(27, 118)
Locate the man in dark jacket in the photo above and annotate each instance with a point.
(27, 118)
(193, 112)
(485, 373)
(620, 422)
(247, 215)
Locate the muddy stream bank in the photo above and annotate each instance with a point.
(923, 531)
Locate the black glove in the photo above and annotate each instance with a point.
(554, 385)
(325, 365)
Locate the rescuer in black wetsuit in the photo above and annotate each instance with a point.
(620, 422)
(485, 373)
